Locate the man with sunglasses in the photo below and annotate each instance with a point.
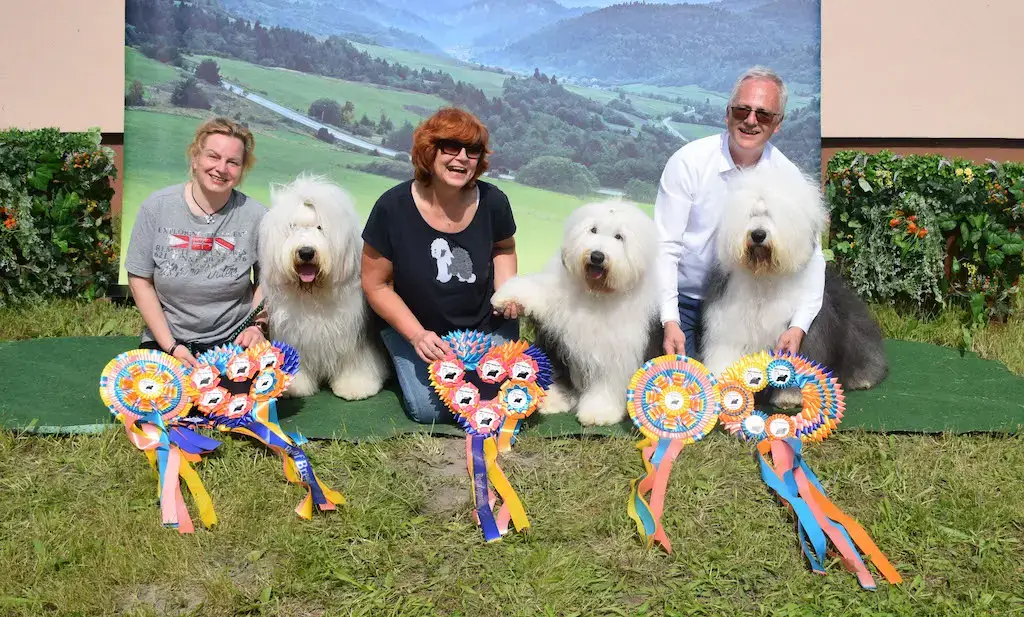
(688, 206)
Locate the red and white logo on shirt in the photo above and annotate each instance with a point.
(200, 243)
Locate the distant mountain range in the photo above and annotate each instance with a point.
(670, 43)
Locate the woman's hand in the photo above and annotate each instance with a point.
(511, 310)
(429, 346)
(250, 336)
(183, 355)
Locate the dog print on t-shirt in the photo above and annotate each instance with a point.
(451, 263)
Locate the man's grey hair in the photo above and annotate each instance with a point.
(763, 72)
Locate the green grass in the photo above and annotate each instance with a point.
(81, 532)
(146, 70)
(649, 106)
(81, 528)
(489, 81)
(695, 131)
(297, 91)
(155, 143)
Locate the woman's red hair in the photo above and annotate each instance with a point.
(447, 123)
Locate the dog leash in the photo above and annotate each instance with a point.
(249, 320)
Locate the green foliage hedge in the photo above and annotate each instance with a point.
(57, 238)
(928, 230)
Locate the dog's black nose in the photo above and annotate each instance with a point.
(596, 258)
(306, 253)
(758, 236)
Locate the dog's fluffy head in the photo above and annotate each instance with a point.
(610, 246)
(770, 221)
(309, 239)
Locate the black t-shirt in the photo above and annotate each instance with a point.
(446, 279)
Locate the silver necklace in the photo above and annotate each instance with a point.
(209, 215)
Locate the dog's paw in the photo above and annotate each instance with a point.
(355, 386)
(302, 385)
(787, 398)
(557, 400)
(599, 411)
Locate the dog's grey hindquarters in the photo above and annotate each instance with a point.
(846, 338)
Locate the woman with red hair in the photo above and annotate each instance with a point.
(435, 248)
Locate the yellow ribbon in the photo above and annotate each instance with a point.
(501, 484)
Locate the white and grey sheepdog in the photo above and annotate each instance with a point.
(594, 308)
(309, 252)
(765, 241)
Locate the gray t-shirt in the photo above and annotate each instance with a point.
(201, 271)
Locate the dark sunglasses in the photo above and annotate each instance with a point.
(741, 113)
(452, 147)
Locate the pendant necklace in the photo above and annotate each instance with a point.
(209, 215)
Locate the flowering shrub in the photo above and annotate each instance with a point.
(56, 233)
(929, 230)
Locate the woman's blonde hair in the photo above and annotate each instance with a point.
(224, 126)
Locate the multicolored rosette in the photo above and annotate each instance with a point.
(146, 390)
(781, 437)
(468, 345)
(517, 369)
(241, 391)
(673, 400)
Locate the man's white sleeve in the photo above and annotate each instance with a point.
(671, 213)
(812, 290)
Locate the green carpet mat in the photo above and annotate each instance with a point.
(52, 386)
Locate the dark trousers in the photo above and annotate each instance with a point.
(689, 322)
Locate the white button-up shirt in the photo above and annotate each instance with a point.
(687, 212)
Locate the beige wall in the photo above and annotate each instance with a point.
(62, 64)
(921, 68)
(884, 64)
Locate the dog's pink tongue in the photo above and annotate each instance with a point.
(307, 273)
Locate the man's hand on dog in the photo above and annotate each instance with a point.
(790, 340)
(674, 342)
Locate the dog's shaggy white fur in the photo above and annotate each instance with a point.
(764, 245)
(309, 253)
(594, 309)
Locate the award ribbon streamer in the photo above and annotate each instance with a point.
(145, 390)
(781, 437)
(297, 468)
(674, 401)
(522, 373)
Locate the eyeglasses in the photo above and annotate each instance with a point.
(741, 113)
(452, 147)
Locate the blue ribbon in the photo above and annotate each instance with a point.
(483, 505)
(798, 459)
(302, 463)
(192, 442)
(810, 532)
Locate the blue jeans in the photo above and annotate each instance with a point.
(689, 322)
(421, 402)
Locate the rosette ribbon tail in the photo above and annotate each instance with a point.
(639, 509)
(171, 461)
(477, 463)
(844, 531)
(507, 434)
(511, 505)
(781, 480)
(297, 468)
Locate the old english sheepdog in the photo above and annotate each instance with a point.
(309, 253)
(770, 223)
(594, 309)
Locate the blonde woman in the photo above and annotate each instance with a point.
(192, 254)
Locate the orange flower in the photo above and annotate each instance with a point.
(10, 223)
(894, 222)
(911, 228)
(922, 232)
(912, 218)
